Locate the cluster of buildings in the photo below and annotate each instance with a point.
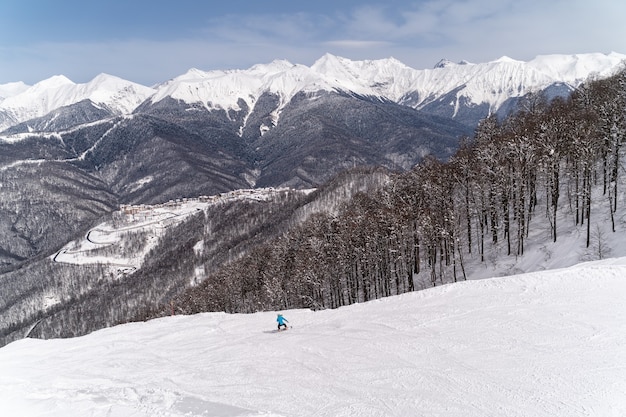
(148, 212)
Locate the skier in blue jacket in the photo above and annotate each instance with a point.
(281, 321)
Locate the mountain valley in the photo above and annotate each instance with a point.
(71, 154)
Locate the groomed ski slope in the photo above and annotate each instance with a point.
(551, 343)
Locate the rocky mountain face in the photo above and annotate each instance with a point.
(70, 153)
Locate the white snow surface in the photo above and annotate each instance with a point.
(549, 343)
(11, 89)
(118, 95)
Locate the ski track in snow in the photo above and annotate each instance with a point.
(542, 344)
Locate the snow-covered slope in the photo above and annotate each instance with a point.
(11, 89)
(492, 82)
(117, 95)
(548, 344)
(224, 89)
(574, 69)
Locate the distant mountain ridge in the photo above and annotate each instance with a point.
(115, 94)
(491, 84)
(72, 152)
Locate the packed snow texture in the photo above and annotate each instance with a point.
(549, 343)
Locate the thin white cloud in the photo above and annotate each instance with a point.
(274, 28)
(419, 34)
(357, 44)
(146, 62)
(480, 30)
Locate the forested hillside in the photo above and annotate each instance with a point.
(553, 166)
(78, 290)
(551, 162)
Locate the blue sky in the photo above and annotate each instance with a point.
(151, 41)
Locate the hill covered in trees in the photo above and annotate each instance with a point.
(552, 165)
(542, 177)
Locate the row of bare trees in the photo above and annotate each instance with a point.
(549, 159)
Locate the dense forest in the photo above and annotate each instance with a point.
(419, 229)
(55, 299)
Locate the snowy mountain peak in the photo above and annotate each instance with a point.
(491, 83)
(325, 60)
(392, 61)
(51, 84)
(118, 95)
(330, 65)
(444, 63)
(507, 60)
(191, 74)
(106, 79)
(276, 66)
(54, 82)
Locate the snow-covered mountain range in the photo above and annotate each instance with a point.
(388, 79)
(491, 83)
(110, 141)
(68, 255)
(22, 103)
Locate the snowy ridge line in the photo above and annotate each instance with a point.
(59, 136)
(386, 79)
(82, 156)
(118, 95)
(16, 137)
